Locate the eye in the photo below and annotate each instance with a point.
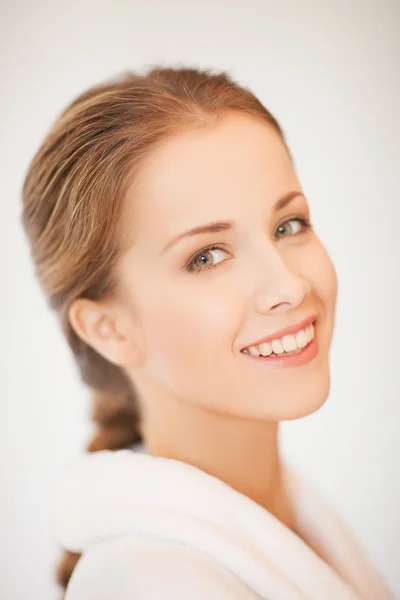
(292, 227)
(204, 259)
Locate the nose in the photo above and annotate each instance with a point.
(282, 288)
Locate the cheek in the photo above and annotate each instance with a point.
(186, 331)
(319, 270)
(326, 283)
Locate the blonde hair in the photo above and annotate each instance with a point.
(72, 202)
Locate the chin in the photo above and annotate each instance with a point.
(305, 404)
(292, 399)
(303, 410)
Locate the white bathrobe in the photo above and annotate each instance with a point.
(152, 528)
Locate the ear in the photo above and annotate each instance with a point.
(99, 326)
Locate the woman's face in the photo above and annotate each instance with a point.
(200, 299)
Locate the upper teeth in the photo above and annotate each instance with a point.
(288, 343)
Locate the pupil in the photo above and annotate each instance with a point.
(202, 258)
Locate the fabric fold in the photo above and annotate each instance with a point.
(108, 494)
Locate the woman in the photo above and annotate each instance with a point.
(172, 236)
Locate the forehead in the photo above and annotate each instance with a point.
(217, 172)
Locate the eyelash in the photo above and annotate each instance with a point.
(190, 267)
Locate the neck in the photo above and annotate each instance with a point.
(242, 453)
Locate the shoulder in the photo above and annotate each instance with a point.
(128, 568)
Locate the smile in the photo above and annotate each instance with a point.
(286, 345)
(293, 346)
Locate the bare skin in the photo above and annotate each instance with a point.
(197, 436)
(179, 333)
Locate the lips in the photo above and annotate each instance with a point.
(293, 359)
(280, 333)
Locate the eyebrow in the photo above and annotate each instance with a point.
(217, 226)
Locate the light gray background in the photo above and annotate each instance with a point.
(329, 71)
